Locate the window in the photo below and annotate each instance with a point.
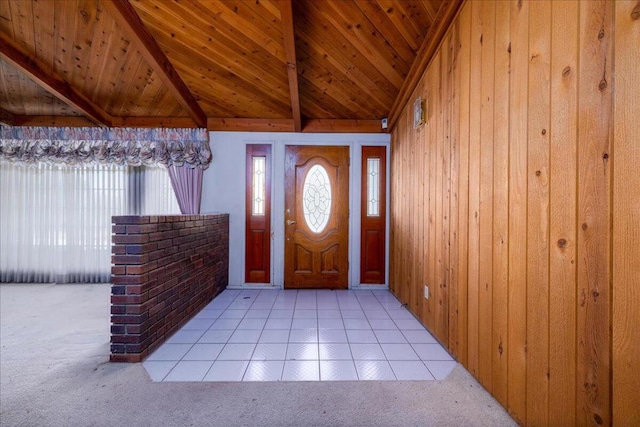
(258, 185)
(316, 199)
(373, 187)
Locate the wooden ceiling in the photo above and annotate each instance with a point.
(279, 65)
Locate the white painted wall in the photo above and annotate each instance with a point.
(223, 191)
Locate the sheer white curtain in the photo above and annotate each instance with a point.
(55, 221)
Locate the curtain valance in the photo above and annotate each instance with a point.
(120, 146)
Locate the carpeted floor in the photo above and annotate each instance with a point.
(54, 371)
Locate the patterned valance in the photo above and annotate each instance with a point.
(120, 146)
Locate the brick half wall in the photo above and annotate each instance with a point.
(164, 270)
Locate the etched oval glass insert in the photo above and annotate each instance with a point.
(316, 198)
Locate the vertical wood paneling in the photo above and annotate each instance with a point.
(594, 133)
(461, 305)
(526, 235)
(475, 101)
(500, 316)
(626, 216)
(518, 129)
(538, 214)
(485, 271)
(562, 257)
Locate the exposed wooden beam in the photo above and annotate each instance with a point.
(250, 125)
(446, 14)
(155, 122)
(53, 121)
(286, 13)
(7, 118)
(45, 76)
(126, 15)
(342, 126)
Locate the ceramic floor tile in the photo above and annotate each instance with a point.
(330, 324)
(306, 305)
(355, 305)
(361, 336)
(356, 324)
(208, 314)
(304, 323)
(225, 324)
(411, 324)
(328, 305)
(376, 314)
(399, 352)
(305, 314)
(431, 352)
(261, 305)
(215, 336)
(281, 314)
(270, 352)
(391, 305)
(388, 336)
(284, 305)
(274, 336)
(374, 370)
(330, 351)
(240, 305)
(329, 314)
(204, 352)
(218, 304)
(278, 324)
(157, 370)
(170, 352)
(382, 324)
(419, 337)
(371, 305)
(409, 370)
(223, 370)
(308, 351)
(264, 370)
(249, 336)
(295, 370)
(252, 324)
(233, 314)
(332, 336)
(257, 314)
(237, 352)
(367, 352)
(338, 370)
(198, 324)
(353, 314)
(303, 336)
(440, 368)
(402, 314)
(185, 337)
(188, 371)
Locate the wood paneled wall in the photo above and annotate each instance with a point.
(507, 205)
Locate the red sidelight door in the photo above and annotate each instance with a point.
(373, 215)
(258, 215)
(316, 217)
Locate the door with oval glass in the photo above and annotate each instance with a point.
(316, 217)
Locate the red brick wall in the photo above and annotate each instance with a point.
(164, 270)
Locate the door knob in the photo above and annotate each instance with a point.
(290, 222)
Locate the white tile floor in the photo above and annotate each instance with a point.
(305, 335)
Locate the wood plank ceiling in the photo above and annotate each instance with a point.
(280, 65)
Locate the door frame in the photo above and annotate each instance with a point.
(278, 203)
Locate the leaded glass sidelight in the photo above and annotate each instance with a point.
(316, 198)
(373, 187)
(258, 185)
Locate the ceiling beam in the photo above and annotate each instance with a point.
(46, 78)
(7, 118)
(53, 121)
(342, 126)
(286, 13)
(250, 125)
(446, 14)
(126, 15)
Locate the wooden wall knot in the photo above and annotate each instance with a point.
(562, 243)
(566, 71)
(635, 13)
